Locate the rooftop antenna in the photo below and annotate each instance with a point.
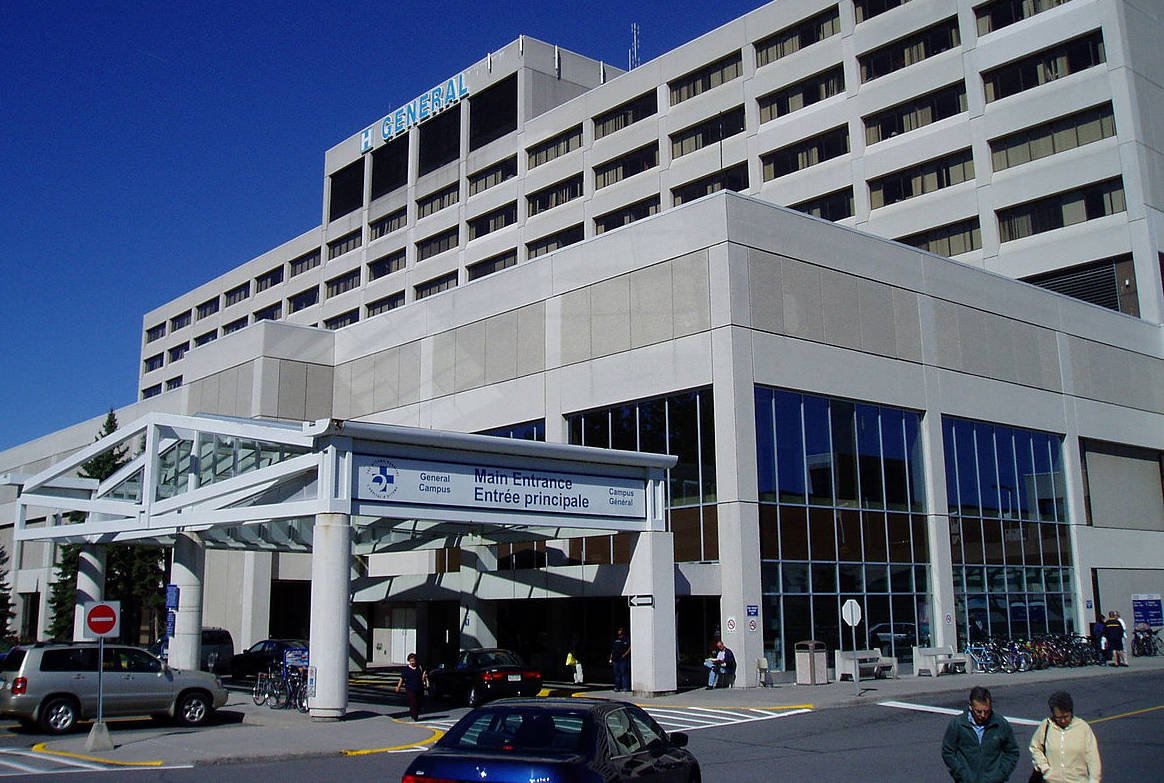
(632, 56)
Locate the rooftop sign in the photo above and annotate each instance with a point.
(425, 106)
(492, 488)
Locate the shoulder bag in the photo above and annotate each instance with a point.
(1036, 773)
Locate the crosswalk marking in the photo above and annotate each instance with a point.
(685, 718)
(32, 762)
(902, 705)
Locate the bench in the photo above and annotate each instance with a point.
(937, 660)
(864, 663)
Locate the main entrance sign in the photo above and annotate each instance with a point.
(493, 488)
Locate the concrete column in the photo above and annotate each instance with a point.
(478, 617)
(331, 555)
(741, 588)
(90, 584)
(652, 628)
(187, 574)
(945, 634)
(255, 601)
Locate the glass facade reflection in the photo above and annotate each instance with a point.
(842, 515)
(1011, 554)
(679, 424)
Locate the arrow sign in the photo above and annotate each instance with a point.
(103, 618)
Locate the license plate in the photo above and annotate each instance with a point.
(514, 678)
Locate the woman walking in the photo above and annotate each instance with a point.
(1064, 747)
(413, 678)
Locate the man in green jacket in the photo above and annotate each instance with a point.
(979, 746)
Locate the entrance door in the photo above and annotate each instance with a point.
(402, 634)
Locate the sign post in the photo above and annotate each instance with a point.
(102, 619)
(851, 614)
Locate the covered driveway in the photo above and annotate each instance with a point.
(339, 488)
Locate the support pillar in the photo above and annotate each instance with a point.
(942, 618)
(478, 618)
(187, 574)
(331, 555)
(652, 626)
(90, 584)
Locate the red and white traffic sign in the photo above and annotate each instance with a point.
(103, 618)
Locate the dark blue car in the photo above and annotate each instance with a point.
(557, 741)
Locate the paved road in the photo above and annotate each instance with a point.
(891, 733)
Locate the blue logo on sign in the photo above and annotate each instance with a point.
(381, 479)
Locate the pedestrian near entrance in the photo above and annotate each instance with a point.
(720, 664)
(1063, 747)
(620, 661)
(979, 746)
(1114, 633)
(413, 678)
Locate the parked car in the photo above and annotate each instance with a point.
(262, 656)
(55, 685)
(481, 675)
(903, 635)
(557, 740)
(217, 650)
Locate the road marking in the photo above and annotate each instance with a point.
(424, 744)
(40, 747)
(1127, 714)
(951, 711)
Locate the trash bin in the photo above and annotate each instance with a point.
(812, 663)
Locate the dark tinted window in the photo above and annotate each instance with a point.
(216, 636)
(69, 659)
(12, 660)
(519, 730)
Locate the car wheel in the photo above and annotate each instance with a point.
(473, 697)
(58, 715)
(193, 708)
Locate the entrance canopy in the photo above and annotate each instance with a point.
(249, 484)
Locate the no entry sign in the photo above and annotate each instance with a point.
(103, 618)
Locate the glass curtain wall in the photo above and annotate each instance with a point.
(1009, 539)
(842, 515)
(679, 424)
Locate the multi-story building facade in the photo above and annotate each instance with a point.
(1013, 136)
(514, 252)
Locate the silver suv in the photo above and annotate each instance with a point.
(55, 685)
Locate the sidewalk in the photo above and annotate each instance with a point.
(244, 732)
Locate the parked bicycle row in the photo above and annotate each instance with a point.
(1019, 655)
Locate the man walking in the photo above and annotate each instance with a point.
(979, 746)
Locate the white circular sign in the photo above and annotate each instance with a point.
(949, 619)
(731, 624)
(752, 625)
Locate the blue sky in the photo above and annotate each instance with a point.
(148, 147)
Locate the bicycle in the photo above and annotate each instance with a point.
(261, 691)
(1147, 642)
(983, 658)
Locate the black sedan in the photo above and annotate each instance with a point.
(557, 741)
(481, 675)
(262, 656)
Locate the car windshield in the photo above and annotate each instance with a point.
(497, 658)
(518, 730)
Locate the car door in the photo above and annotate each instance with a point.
(629, 754)
(671, 763)
(149, 688)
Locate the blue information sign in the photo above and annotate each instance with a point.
(171, 621)
(172, 596)
(1147, 609)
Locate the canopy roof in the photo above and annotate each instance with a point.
(252, 484)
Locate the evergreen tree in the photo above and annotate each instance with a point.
(6, 610)
(63, 593)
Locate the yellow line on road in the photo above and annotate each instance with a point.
(436, 735)
(1128, 714)
(41, 748)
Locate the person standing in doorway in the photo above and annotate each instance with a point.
(413, 678)
(620, 660)
(1063, 747)
(979, 746)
